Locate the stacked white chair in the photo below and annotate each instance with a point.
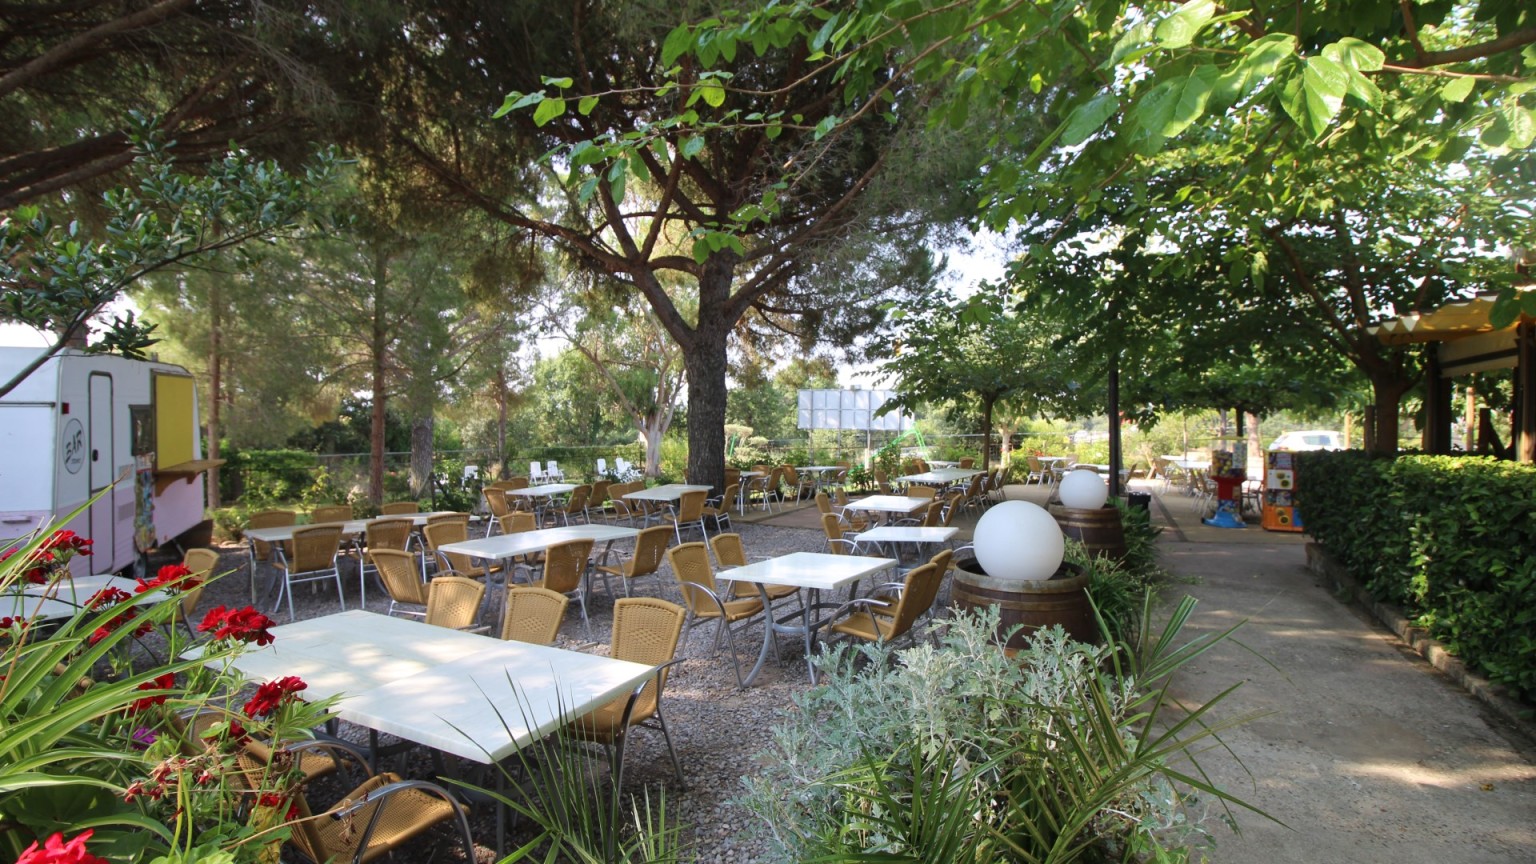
(602, 467)
(553, 472)
(535, 474)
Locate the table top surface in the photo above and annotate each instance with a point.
(462, 693)
(942, 463)
(351, 527)
(66, 597)
(669, 492)
(543, 491)
(1192, 464)
(818, 467)
(818, 570)
(907, 534)
(499, 546)
(942, 475)
(889, 503)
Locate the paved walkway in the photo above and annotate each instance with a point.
(1364, 752)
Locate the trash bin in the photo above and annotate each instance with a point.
(1139, 500)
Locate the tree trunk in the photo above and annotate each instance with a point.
(215, 392)
(377, 344)
(421, 455)
(1387, 391)
(986, 432)
(501, 421)
(652, 431)
(1255, 446)
(704, 362)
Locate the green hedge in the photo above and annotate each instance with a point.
(1447, 539)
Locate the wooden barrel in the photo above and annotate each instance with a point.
(1100, 531)
(1034, 603)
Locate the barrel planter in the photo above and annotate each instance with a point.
(1100, 530)
(1034, 603)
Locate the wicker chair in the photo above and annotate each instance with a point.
(315, 550)
(565, 572)
(575, 505)
(730, 553)
(397, 570)
(696, 580)
(839, 542)
(454, 601)
(650, 547)
(597, 501)
(645, 630)
(385, 533)
(916, 491)
(533, 614)
(891, 614)
(400, 508)
(496, 504)
(719, 509)
(967, 463)
(689, 512)
(202, 563)
(883, 482)
(270, 519)
(439, 534)
(390, 811)
(333, 513)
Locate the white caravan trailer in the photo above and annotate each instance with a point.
(83, 422)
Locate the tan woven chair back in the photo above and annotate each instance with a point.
(397, 570)
(565, 564)
(831, 527)
(646, 630)
(400, 508)
(790, 475)
(840, 496)
(202, 563)
(967, 463)
(577, 503)
(455, 530)
(622, 509)
(690, 564)
(883, 481)
(269, 519)
(922, 586)
(516, 483)
(334, 513)
(388, 534)
(690, 506)
(728, 550)
(495, 501)
(517, 522)
(951, 508)
(934, 515)
(599, 493)
(454, 601)
(533, 614)
(915, 491)
(449, 518)
(315, 548)
(823, 503)
(942, 560)
(650, 548)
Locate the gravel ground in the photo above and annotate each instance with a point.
(718, 729)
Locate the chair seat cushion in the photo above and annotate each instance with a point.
(407, 812)
(735, 610)
(865, 626)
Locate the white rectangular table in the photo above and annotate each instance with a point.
(352, 529)
(941, 476)
(669, 492)
(462, 693)
(889, 504)
(915, 534)
(811, 571)
(503, 546)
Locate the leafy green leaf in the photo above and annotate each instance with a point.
(1513, 128)
(1181, 28)
(1457, 89)
(1088, 118)
(1355, 54)
(548, 110)
(586, 105)
(516, 100)
(1314, 99)
(677, 42)
(691, 146)
(562, 83)
(712, 93)
(1171, 106)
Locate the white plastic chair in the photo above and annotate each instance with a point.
(535, 473)
(553, 472)
(602, 467)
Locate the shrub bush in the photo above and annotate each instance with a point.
(1445, 538)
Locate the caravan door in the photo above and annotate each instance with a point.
(101, 458)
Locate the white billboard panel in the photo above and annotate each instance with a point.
(848, 409)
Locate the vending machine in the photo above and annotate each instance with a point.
(1280, 513)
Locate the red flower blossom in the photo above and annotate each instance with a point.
(273, 694)
(68, 541)
(108, 596)
(244, 625)
(162, 682)
(56, 851)
(172, 578)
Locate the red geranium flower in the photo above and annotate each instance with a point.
(273, 694)
(56, 851)
(162, 682)
(172, 578)
(244, 625)
(109, 596)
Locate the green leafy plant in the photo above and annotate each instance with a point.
(1444, 538)
(957, 752)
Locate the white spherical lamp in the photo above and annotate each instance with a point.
(1018, 540)
(1083, 490)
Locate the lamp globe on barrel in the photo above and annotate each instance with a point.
(1083, 490)
(1019, 540)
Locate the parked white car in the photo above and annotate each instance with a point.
(1309, 439)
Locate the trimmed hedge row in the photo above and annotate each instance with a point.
(1449, 539)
